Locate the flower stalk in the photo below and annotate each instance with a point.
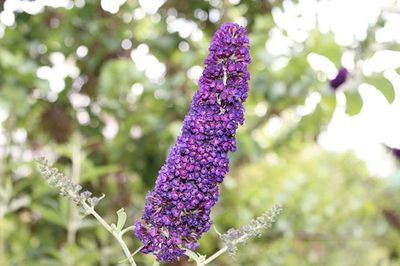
(84, 201)
(235, 236)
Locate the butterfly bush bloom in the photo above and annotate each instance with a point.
(177, 211)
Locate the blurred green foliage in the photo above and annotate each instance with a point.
(335, 212)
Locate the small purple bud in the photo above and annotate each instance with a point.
(339, 79)
(175, 212)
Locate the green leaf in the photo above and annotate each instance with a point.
(121, 219)
(383, 85)
(353, 102)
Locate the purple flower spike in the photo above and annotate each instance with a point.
(340, 78)
(177, 211)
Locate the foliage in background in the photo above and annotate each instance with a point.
(81, 73)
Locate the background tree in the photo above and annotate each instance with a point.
(101, 89)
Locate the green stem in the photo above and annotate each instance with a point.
(215, 255)
(116, 235)
(200, 260)
(130, 228)
(133, 254)
(193, 256)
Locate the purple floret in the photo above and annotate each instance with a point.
(177, 211)
(340, 78)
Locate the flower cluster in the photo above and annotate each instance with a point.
(177, 211)
(233, 237)
(67, 187)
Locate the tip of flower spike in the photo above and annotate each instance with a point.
(232, 27)
(230, 42)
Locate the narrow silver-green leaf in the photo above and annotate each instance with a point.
(121, 219)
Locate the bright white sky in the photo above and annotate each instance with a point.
(347, 19)
(377, 124)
